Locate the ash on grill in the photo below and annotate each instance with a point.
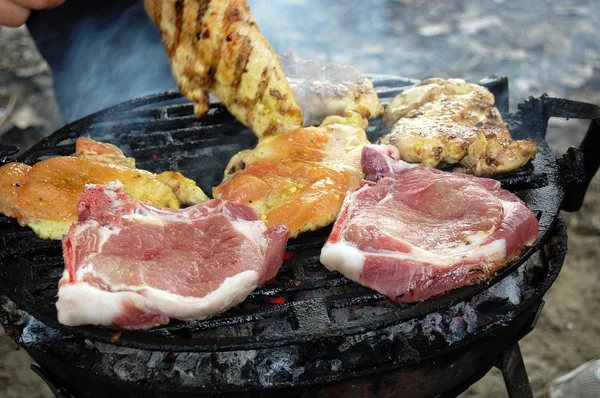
(406, 342)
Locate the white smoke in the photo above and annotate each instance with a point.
(111, 61)
(118, 59)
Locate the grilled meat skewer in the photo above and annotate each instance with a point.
(216, 46)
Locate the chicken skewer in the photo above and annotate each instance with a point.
(216, 46)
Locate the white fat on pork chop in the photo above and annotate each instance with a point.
(415, 232)
(132, 265)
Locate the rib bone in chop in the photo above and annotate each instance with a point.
(417, 231)
(135, 266)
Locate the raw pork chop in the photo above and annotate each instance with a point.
(418, 231)
(135, 266)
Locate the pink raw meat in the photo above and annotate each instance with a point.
(136, 266)
(417, 231)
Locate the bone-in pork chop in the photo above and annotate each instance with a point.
(417, 231)
(132, 265)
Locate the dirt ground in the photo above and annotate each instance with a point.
(543, 46)
(567, 333)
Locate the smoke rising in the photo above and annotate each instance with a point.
(111, 60)
(541, 45)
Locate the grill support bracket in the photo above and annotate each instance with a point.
(514, 373)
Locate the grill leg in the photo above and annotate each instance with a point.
(58, 391)
(514, 373)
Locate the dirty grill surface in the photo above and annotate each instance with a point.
(161, 133)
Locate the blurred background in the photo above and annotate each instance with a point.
(107, 52)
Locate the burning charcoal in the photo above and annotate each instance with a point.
(36, 332)
(315, 369)
(131, 369)
(277, 367)
(432, 326)
(249, 371)
(403, 352)
(191, 368)
(336, 365)
(457, 329)
(340, 315)
(509, 288)
(187, 377)
(273, 326)
(371, 312)
(462, 320)
(367, 353)
(155, 359)
(235, 365)
(470, 316)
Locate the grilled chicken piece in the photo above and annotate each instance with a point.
(44, 196)
(86, 148)
(216, 46)
(335, 145)
(46, 200)
(323, 89)
(300, 178)
(185, 189)
(12, 178)
(454, 121)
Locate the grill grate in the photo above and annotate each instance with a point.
(161, 133)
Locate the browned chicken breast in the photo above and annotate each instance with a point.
(185, 189)
(300, 178)
(86, 148)
(216, 46)
(44, 196)
(12, 178)
(454, 121)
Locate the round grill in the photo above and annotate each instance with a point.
(161, 133)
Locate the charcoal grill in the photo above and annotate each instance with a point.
(310, 331)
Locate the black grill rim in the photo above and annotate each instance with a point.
(554, 254)
(545, 198)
